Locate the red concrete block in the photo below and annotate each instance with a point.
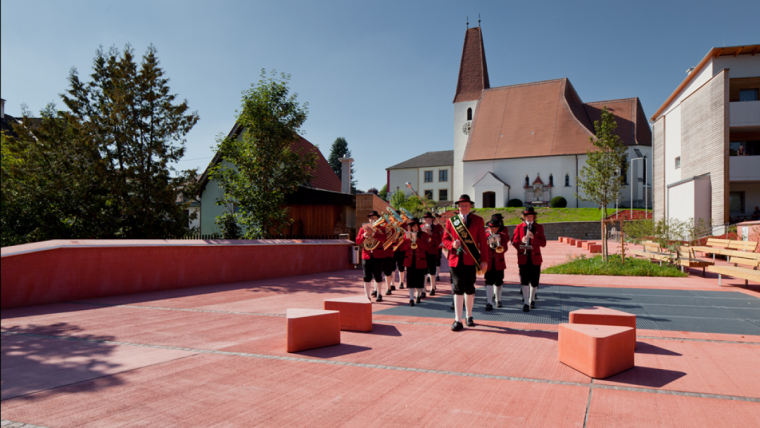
(586, 244)
(598, 315)
(312, 328)
(571, 241)
(561, 239)
(599, 351)
(578, 243)
(595, 248)
(355, 312)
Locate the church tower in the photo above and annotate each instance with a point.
(473, 79)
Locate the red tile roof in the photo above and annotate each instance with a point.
(323, 176)
(473, 71)
(546, 118)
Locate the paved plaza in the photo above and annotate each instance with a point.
(215, 356)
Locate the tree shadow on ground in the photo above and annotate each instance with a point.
(647, 377)
(31, 363)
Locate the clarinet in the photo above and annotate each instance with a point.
(527, 244)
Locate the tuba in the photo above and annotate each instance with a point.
(371, 243)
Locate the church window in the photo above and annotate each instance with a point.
(489, 199)
(645, 170)
(527, 181)
(551, 180)
(469, 113)
(567, 180)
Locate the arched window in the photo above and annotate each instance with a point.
(551, 180)
(527, 181)
(645, 170)
(469, 113)
(567, 180)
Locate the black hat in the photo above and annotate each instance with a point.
(373, 214)
(428, 215)
(529, 211)
(413, 220)
(495, 222)
(498, 216)
(437, 215)
(464, 198)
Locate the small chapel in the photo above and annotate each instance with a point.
(528, 141)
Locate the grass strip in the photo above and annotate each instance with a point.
(583, 265)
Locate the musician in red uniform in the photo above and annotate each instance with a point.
(372, 260)
(465, 239)
(398, 263)
(529, 233)
(416, 259)
(437, 222)
(498, 236)
(436, 236)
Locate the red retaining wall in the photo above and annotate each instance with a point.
(60, 271)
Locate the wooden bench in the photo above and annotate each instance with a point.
(653, 252)
(599, 351)
(748, 271)
(723, 246)
(686, 258)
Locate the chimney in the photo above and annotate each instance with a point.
(2, 108)
(345, 175)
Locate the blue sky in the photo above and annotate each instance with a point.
(381, 74)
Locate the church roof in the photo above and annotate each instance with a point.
(442, 158)
(545, 118)
(473, 71)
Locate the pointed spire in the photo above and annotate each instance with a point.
(473, 71)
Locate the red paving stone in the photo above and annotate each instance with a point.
(108, 379)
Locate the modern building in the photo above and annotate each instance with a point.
(707, 141)
(428, 173)
(527, 141)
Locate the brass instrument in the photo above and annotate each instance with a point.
(495, 243)
(397, 222)
(371, 244)
(414, 240)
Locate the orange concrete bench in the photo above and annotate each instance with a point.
(312, 328)
(586, 244)
(355, 312)
(579, 243)
(598, 315)
(571, 241)
(599, 351)
(595, 248)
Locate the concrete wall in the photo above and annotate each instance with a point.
(741, 66)
(681, 201)
(744, 168)
(61, 271)
(579, 230)
(673, 146)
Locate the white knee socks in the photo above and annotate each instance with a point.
(411, 293)
(388, 283)
(526, 294)
(432, 282)
(368, 289)
(489, 294)
(498, 292)
(401, 277)
(469, 299)
(532, 293)
(458, 301)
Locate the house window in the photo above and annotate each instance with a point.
(443, 175)
(551, 180)
(527, 181)
(678, 162)
(748, 95)
(624, 170)
(428, 194)
(736, 202)
(645, 170)
(744, 148)
(469, 114)
(567, 180)
(428, 176)
(443, 195)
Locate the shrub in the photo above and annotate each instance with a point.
(514, 203)
(558, 202)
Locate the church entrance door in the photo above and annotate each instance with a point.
(489, 200)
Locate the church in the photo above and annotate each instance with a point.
(528, 141)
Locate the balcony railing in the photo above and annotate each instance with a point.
(744, 113)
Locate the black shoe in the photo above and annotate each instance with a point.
(489, 308)
(456, 326)
(526, 308)
(452, 306)
(533, 305)
(470, 322)
(411, 302)
(432, 292)
(498, 303)
(418, 299)
(393, 287)
(374, 294)
(423, 295)
(388, 292)
(437, 278)
(401, 286)
(379, 298)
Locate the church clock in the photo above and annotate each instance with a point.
(466, 127)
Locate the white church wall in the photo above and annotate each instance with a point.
(460, 144)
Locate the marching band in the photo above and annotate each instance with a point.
(398, 241)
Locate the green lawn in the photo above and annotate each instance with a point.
(595, 266)
(547, 215)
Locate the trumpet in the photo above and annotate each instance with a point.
(371, 244)
(495, 243)
(414, 240)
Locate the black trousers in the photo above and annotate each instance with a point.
(494, 277)
(398, 258)
(431, 262)
(389, 265)
(530, 273)
(415, 278)
(373, 268)
(463, 278)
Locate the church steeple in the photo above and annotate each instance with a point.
(473, 72)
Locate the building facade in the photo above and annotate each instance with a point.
(707, 141)
(430, 174)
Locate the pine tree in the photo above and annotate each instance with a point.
(600, 180)
(340, 150)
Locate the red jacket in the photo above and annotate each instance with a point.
(418, 255)
(435, 239)
(496, 258)
(478, 232)
(379, 253)
(538, 241)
